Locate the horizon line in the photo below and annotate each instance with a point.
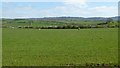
(57, 17)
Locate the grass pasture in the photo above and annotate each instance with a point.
(32, 47)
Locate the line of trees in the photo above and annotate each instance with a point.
(69, 27)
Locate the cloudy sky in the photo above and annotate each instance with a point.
(73, 8)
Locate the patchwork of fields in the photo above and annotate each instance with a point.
(32, 47)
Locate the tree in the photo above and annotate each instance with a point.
(109, 20)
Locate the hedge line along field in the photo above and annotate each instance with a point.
(32, 47)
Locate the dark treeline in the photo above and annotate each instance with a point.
(69, 27)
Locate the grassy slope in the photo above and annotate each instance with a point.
(45, 23)
(55, 47)
(0, 47)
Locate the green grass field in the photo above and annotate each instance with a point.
(0, 46)
(32, 47)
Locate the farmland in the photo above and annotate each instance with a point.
(33, 47)
(63, 34)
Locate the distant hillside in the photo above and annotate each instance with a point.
(73, 18)
(62, 21)
(76, 18)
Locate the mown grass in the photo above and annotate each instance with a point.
(32, 47)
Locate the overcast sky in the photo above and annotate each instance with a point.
(73, 8)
